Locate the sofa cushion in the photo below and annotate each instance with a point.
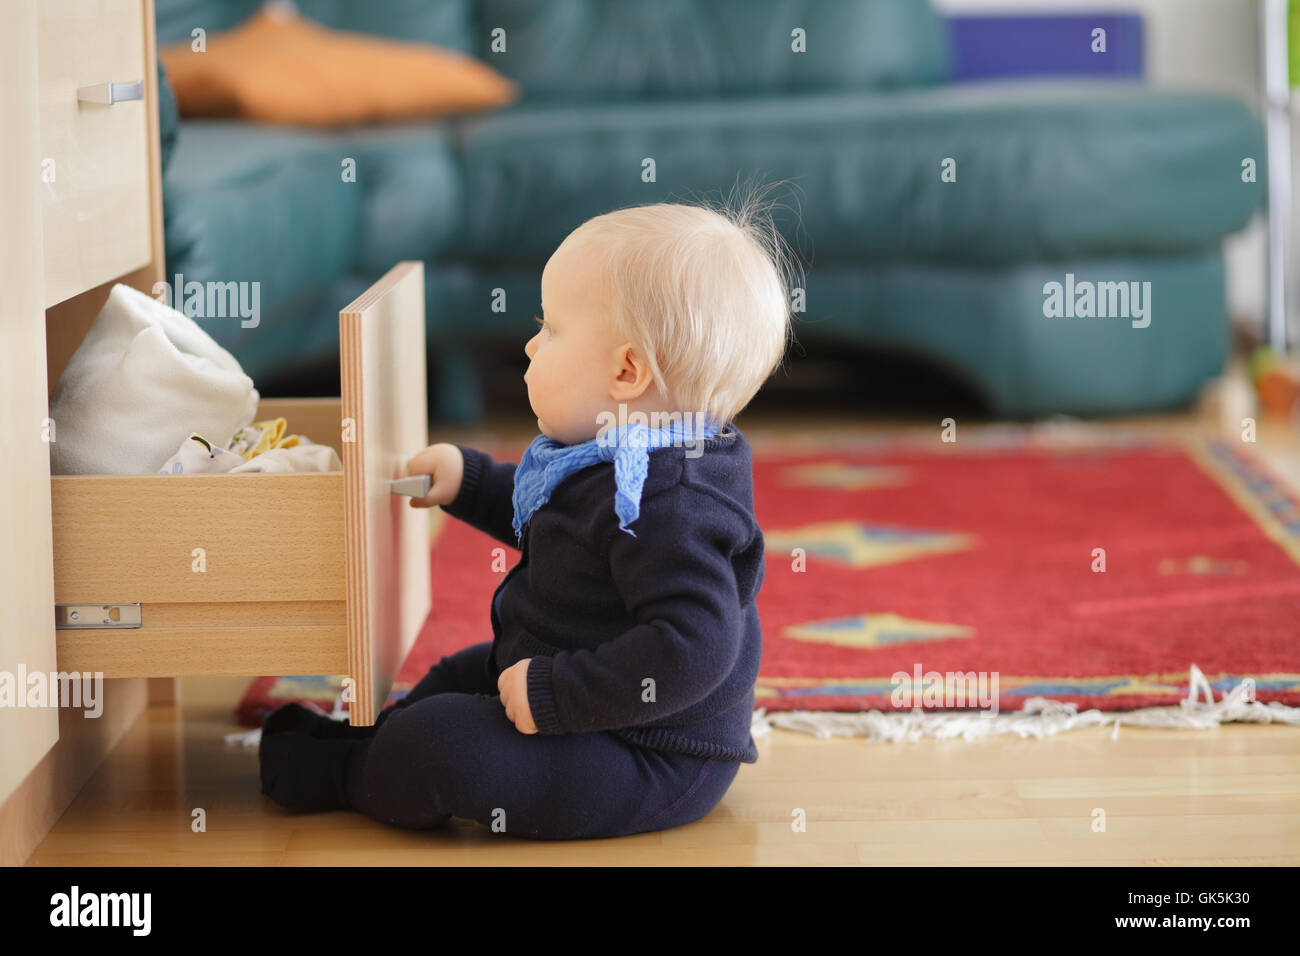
(246, 202)
(281, 67)
(596, 50)
(410, 184)
(1042, 170)
(445, 23)
(176, 20)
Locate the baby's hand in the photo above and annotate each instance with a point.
(513, 684)
(447, 466)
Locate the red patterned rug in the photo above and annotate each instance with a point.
(1093, 575)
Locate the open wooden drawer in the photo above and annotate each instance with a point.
(324, 573)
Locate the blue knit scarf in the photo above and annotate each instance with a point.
(547, 462)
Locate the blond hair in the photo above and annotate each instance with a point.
(703, 291)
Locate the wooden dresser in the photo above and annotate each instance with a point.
(334, 579)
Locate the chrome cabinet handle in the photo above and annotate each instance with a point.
(417, 486)
(110, 93)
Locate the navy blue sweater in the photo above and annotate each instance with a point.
(654, 638)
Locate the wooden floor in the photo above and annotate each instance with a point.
(1229, 796)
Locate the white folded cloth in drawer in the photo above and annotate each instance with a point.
(144, 377)
(198, 456)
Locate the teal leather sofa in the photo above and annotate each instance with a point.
(1099, 181)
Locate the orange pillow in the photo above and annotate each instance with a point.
(277, 67)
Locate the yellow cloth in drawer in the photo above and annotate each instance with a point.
(251, 440)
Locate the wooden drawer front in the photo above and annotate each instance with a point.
(235, 574)
(96, 210)
(382, 376)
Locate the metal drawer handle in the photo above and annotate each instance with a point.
(417, 486)
(110, 93)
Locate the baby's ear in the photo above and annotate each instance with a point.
(632, 375)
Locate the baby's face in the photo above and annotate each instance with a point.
(574, 355)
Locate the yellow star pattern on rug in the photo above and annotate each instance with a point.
(874, 630)
(1201, 564)
(861, 545)
(837, 474)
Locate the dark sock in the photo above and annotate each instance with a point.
(295, 717)
(302, 772)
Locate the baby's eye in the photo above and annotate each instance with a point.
(541, 323)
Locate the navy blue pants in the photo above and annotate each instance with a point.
(448, 750)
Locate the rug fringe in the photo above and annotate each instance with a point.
(1038, 717)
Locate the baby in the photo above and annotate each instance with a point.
(617, 694)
